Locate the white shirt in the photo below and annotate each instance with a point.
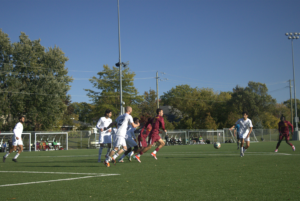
(18, 130)
(130, 132)
(104, 122)
(244, 126)
(123, 121)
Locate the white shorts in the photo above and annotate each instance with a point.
(130, 143)
(104, 139)
(16, 142)
(244, 136)
(119, 141)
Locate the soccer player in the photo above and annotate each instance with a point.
(236, 131)
(130, 142)
(244, 132)
(157, 123)
(104, 136)
(123, 121)
(283, 128)
(17, 139)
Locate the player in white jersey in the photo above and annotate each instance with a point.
(104, 136)
(130, 141)
(17, 139)
(123, 121)
(245, 129)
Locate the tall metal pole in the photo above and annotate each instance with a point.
(296, 117)
(120, 64)
(157, 89)
(291, 103)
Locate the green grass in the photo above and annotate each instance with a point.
(188, 172)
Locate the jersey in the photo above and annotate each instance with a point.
(244, 126)
(283, 127)
(104, 122)
(123, 121)
(18, 130)
(156, 123)
(148, 130)
(130, 132)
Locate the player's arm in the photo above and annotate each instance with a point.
(99, 125)
(251, 127)
(135, 125)
(289, 124)
(163, 125)
(110, 125)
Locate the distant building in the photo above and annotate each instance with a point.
(172, 114)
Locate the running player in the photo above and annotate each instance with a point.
(142, 140)
(17, 139)
(283, 128)
(123, 121)
(130, 142)
(104, 136)
(157, 123)
(244, 132)
(236, 131)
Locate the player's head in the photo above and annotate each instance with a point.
(136, 120)
(108, 113)
(22, 118)
(245, 114)
(159, 112)
(282, 118)
(128, 109)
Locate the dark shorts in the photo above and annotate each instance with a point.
(153, 139)
(142, 142)
(286, 135)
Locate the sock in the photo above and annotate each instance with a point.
(16, 156)
(100, 152)
(154, 151)
(131, 153)
(116, 155)
(242, 150)
(108, 150)
(6, 155)
(138, 155)
(122, 157)
(141, 153)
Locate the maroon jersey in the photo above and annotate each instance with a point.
(148, 129)
(157, 122)
(283, 127)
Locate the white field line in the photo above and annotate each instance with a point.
(68, 179)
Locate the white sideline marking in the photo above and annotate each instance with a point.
(68, 179)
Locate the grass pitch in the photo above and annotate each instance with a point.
(187, 172)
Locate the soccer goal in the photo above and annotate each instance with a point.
(176, 137)
(40, 139)
(7, 138)
(210, 136)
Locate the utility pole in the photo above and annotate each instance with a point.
(291, 102)
(157, 89)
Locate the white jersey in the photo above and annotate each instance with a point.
(104, 122)
(18, 130)
(244, 126)
(123, 121)
(130, 132)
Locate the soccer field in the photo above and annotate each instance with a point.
(187, 172)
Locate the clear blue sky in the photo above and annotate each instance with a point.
(205, 43)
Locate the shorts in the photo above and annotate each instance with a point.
(119, 141)
(153, 139)
(130, 143)
(286, 135)
(142, 142)
(16, 142)
(104, 139)
(244, 136)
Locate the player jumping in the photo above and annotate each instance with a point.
(17, 139)
(244, 132)
(104, 136)
(157, 123)
(283, 128)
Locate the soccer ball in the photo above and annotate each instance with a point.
(217, 145)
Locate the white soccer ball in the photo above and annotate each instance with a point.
(217, 145)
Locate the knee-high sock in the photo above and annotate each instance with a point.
(122, 157)
(16, 156)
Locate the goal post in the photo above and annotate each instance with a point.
(61, 139)
(26, 138)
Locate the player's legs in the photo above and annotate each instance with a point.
(242, 147)
(161, 144)
(287, 139)
(278, 143)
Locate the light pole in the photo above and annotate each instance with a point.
(157, 79)
(292, 36)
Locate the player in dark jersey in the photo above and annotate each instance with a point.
(142, 143)
(283, 128)
(157, 123)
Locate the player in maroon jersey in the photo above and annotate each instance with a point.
(142, 143)
(283, 128)
(157, 123)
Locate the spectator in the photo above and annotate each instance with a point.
(47, 145)
(201, 139)
(167, 139)
(43, 145)
(179, 141)
(38, 146)
(55, 144)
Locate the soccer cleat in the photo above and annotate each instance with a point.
(106, 164)
(276, 150)
(241, 155)
(294, 148)
(137, 158)
(4, 159)
(14, 160)
(154, 156)
(121, 161)
(114, 161)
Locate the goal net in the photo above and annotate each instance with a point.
(60, 139)
(175, 137)
(7, 138)
(231, 135)
(206, 136)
